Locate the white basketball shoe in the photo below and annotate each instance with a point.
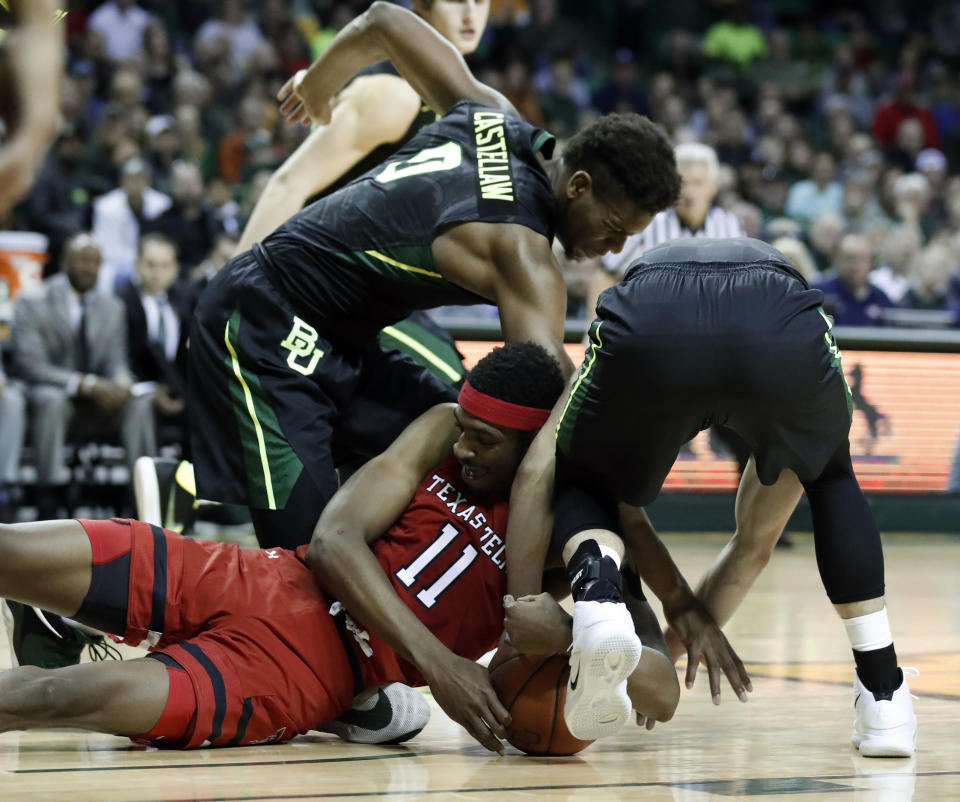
(604, 653)
(389, 715)
(885, 728)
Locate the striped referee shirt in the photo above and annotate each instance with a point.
(666, 226)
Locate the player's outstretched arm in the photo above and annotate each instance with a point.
(762, 513)
(429, 62)
(32, 56)
(530, 294)
(531, 509)
(360, 512)
(371, 111)
(683, 611)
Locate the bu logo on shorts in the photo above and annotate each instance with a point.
(301, 342)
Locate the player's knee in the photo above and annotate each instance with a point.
(40, 695)
(11, 540)
(653, 687)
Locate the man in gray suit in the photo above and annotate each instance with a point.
(70, 346)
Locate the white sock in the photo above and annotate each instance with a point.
(869, 632)
(607, 551)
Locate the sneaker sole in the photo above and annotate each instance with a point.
(600, 706)
(897, 743)
(146, 491)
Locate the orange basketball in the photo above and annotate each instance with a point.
(533, 688)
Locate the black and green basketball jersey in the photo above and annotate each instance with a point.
(361, 258)
(381, 153)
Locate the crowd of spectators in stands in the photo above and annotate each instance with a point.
(837, 134)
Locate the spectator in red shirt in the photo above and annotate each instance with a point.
(902, 106)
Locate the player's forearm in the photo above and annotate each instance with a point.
(428, 62)
(349, 572)
(762, 513)
(35, 59)
(600, 280)
(652, 560)
(550, 340)
(531, 514)
(323, 157)
(276, 205)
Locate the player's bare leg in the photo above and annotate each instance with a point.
(653, 687)
(850, 561)
(46, 564)
(762, 513)
(121, 698)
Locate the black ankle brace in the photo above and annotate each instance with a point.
(593, 577)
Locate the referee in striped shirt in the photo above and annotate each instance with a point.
(693, 216)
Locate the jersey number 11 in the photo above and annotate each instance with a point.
(408, 574)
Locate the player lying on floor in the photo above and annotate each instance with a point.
(249, 647)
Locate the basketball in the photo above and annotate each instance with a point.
(533, 688)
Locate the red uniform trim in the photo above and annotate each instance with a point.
(108, 539)
(178, 713)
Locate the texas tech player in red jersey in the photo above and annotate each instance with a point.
(445, 559)
(266, 653)
(252, 646)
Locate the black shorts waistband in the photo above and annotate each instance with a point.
(712, 268)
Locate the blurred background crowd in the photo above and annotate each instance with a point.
(830, 128)
(826, 120)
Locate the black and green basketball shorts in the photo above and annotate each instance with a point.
(717, 331)
(269, 390)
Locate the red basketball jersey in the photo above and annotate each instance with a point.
(446, 559)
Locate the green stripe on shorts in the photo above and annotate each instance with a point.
(835, 355)
(425, 348)
(568, 419)
(272, 466)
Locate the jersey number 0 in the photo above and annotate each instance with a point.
(429, 160)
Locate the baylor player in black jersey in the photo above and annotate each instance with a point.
(283, 348)
(702, 331)
(373, 116)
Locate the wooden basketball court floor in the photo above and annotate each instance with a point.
(790, 741)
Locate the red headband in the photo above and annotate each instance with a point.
(502, 413)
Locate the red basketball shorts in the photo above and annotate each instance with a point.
(250, 628)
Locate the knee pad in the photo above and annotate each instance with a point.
(847, 543)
